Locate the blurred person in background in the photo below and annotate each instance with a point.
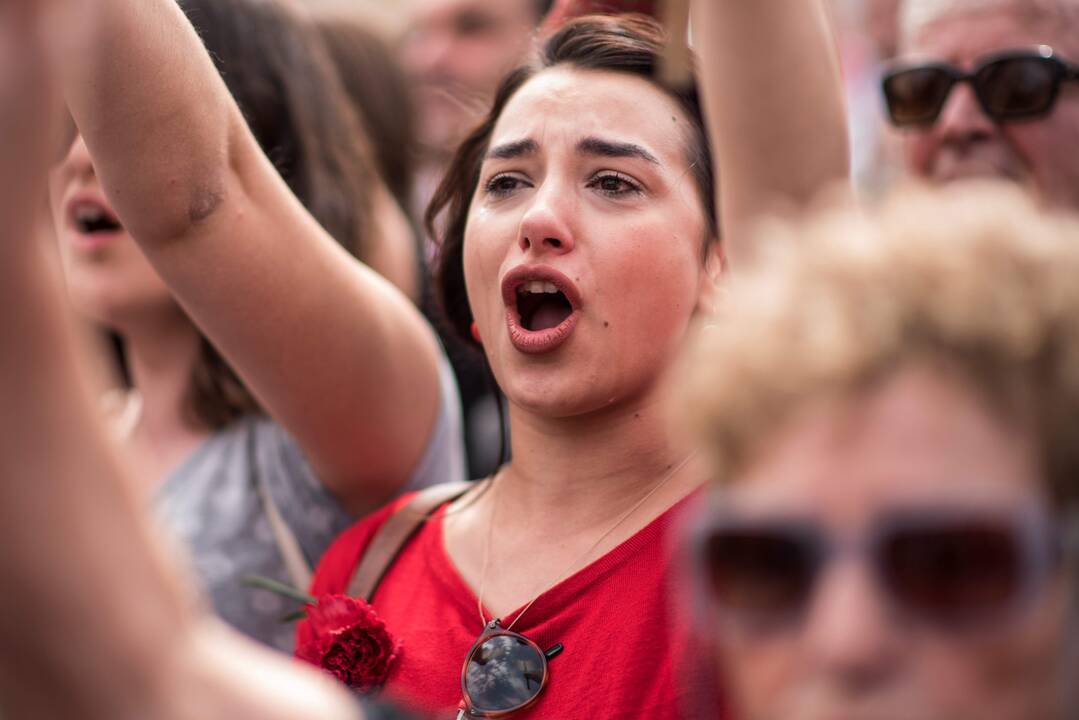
(246, 495)
(456, 52)
(990, 88)
(562, 11)
(378, 90)
(891, 407)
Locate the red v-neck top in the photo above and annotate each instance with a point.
(627, 649)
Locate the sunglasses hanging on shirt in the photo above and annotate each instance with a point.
(1009, 86)
(504, 671)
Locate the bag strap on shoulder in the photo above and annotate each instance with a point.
(299, 570)
(395, 533)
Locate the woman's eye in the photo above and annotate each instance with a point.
(501, 185)
(614, 184)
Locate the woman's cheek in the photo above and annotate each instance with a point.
(483, 260)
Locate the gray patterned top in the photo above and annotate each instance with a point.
(211, 504)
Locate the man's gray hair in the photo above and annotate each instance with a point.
(916, 14)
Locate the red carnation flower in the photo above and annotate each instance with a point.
(350, 642)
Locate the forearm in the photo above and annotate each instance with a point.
(774, 103)
(158, 120)
(96, 619)
(87, 594)
(60, 493)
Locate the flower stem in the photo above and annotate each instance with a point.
(278, 587)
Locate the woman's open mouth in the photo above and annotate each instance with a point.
(542, 307)
(92, 222)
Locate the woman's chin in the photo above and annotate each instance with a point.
(551, 400)
(563, 398)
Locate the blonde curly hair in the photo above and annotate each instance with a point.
(977, 278)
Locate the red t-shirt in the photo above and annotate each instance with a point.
(627, 650)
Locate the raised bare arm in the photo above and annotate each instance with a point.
(332, 350)
(96, 619)
(774, 104)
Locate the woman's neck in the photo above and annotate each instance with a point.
(590, 469)
(575, 490)
(161, 356)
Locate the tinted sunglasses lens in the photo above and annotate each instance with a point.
(503, 673)
(760, 573)
(915, 96)
(952, 574)
(1017, 87)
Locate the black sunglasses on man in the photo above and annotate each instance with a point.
(1009, 86)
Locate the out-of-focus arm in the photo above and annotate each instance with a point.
(96, 620)
(774, 104)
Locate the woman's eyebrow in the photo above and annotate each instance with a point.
(587, 146)
(510, 150)
(610, 148)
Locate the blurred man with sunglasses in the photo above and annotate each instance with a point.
(990, 88)
(892, 411)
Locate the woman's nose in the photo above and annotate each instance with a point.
(546, 225)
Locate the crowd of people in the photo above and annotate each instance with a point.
(534, 365)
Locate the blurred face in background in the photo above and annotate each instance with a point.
(888, 557)
(964, 142)
(456, 52)
(109, 280)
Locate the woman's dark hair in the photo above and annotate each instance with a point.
(280, 75)
(631, 44)
(378, 89)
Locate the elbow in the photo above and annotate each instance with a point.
(203, 203)
(184, 208)
(190, 196)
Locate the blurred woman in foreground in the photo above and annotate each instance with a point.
(891, 406)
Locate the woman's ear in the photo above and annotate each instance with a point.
(712, 270)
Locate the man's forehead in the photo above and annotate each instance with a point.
(1061, 17)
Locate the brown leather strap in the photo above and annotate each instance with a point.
(395, 533)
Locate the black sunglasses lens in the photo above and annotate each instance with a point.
(505, 672)
(915, 96)
(766, 573)
(1017, 87)
(952, 574)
